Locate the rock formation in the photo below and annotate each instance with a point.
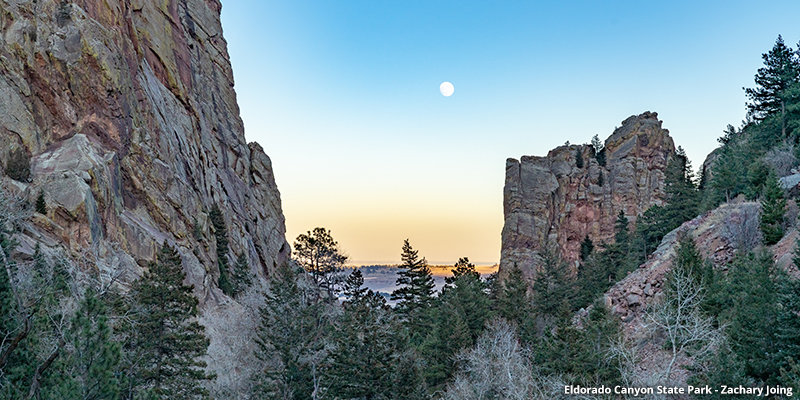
(127, 111)
(553, 199)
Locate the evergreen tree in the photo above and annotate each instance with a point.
(780, 72)
(773, 208)
(458, 317)
(166, 342)
(90, 370)
(580, 353)
(462, 268)
(369, 346)
(242, 277)
(682, 204)
(415, 283)
(728, 173)
(599, 152)
(290, 339)
(621, 229)
(41, 204)
(16, 358)
(749, 304)
(221, 235)
(321, 257)
(579, 158)
(587, 248)
(689, 259)
(514, 304)
(620, 257)
(757, 175)
(466, 292)
(788, 324)
(353, 288)
(551, 287)
(592, 279)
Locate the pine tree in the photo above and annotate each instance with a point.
(167, 343)
(322, 258)
(551, 287)
(458, 317)
(781, 70)
(369, 348)
(587, 247)
(757, 175)
(621, 229)
(290, 338)
(41, 204)
(750, 307)
(599, 152)
(15, 324)
(689, 259)
(242, 277)
(90, 370)
(221, 235)
(415, 282)
(788, 323)
(773, 208)
(514, 304)
(466, 293)
(592, 279)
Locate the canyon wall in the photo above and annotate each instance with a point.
(554, 200)
(127, 112)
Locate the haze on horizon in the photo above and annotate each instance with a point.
(344, 98)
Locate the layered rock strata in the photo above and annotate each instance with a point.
(554, 199)
(127, 112)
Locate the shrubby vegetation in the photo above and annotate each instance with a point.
(429, 344)
(65, 336)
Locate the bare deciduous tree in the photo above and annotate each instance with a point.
(679, 319)
(498, 367)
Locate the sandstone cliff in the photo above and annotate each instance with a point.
(553, 199)
(127, 111)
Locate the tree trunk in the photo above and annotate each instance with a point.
(783, 117)
(38, 374)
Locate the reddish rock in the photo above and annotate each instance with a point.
(551, 199)
(128, 111)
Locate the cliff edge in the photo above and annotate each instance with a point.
(567, 195)
(127, 114)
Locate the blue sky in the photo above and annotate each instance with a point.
(343, 96)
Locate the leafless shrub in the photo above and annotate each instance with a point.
(741, 227)
(781, 159)
(231, 354)
(499, 368)
(679, 320)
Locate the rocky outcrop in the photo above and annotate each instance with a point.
(554, 199)
(719, 235)
(127, 111)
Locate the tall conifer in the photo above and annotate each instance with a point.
(167, 341)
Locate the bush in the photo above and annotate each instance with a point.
(18, 166)
(41, 204)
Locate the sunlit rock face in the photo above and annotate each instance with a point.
(553, 200)
(128, 112)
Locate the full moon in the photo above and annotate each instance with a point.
(447, 89)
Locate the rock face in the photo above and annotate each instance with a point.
(719, 234)
(554, 200)
(127, 111)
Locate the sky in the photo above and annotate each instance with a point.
(344, 98)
